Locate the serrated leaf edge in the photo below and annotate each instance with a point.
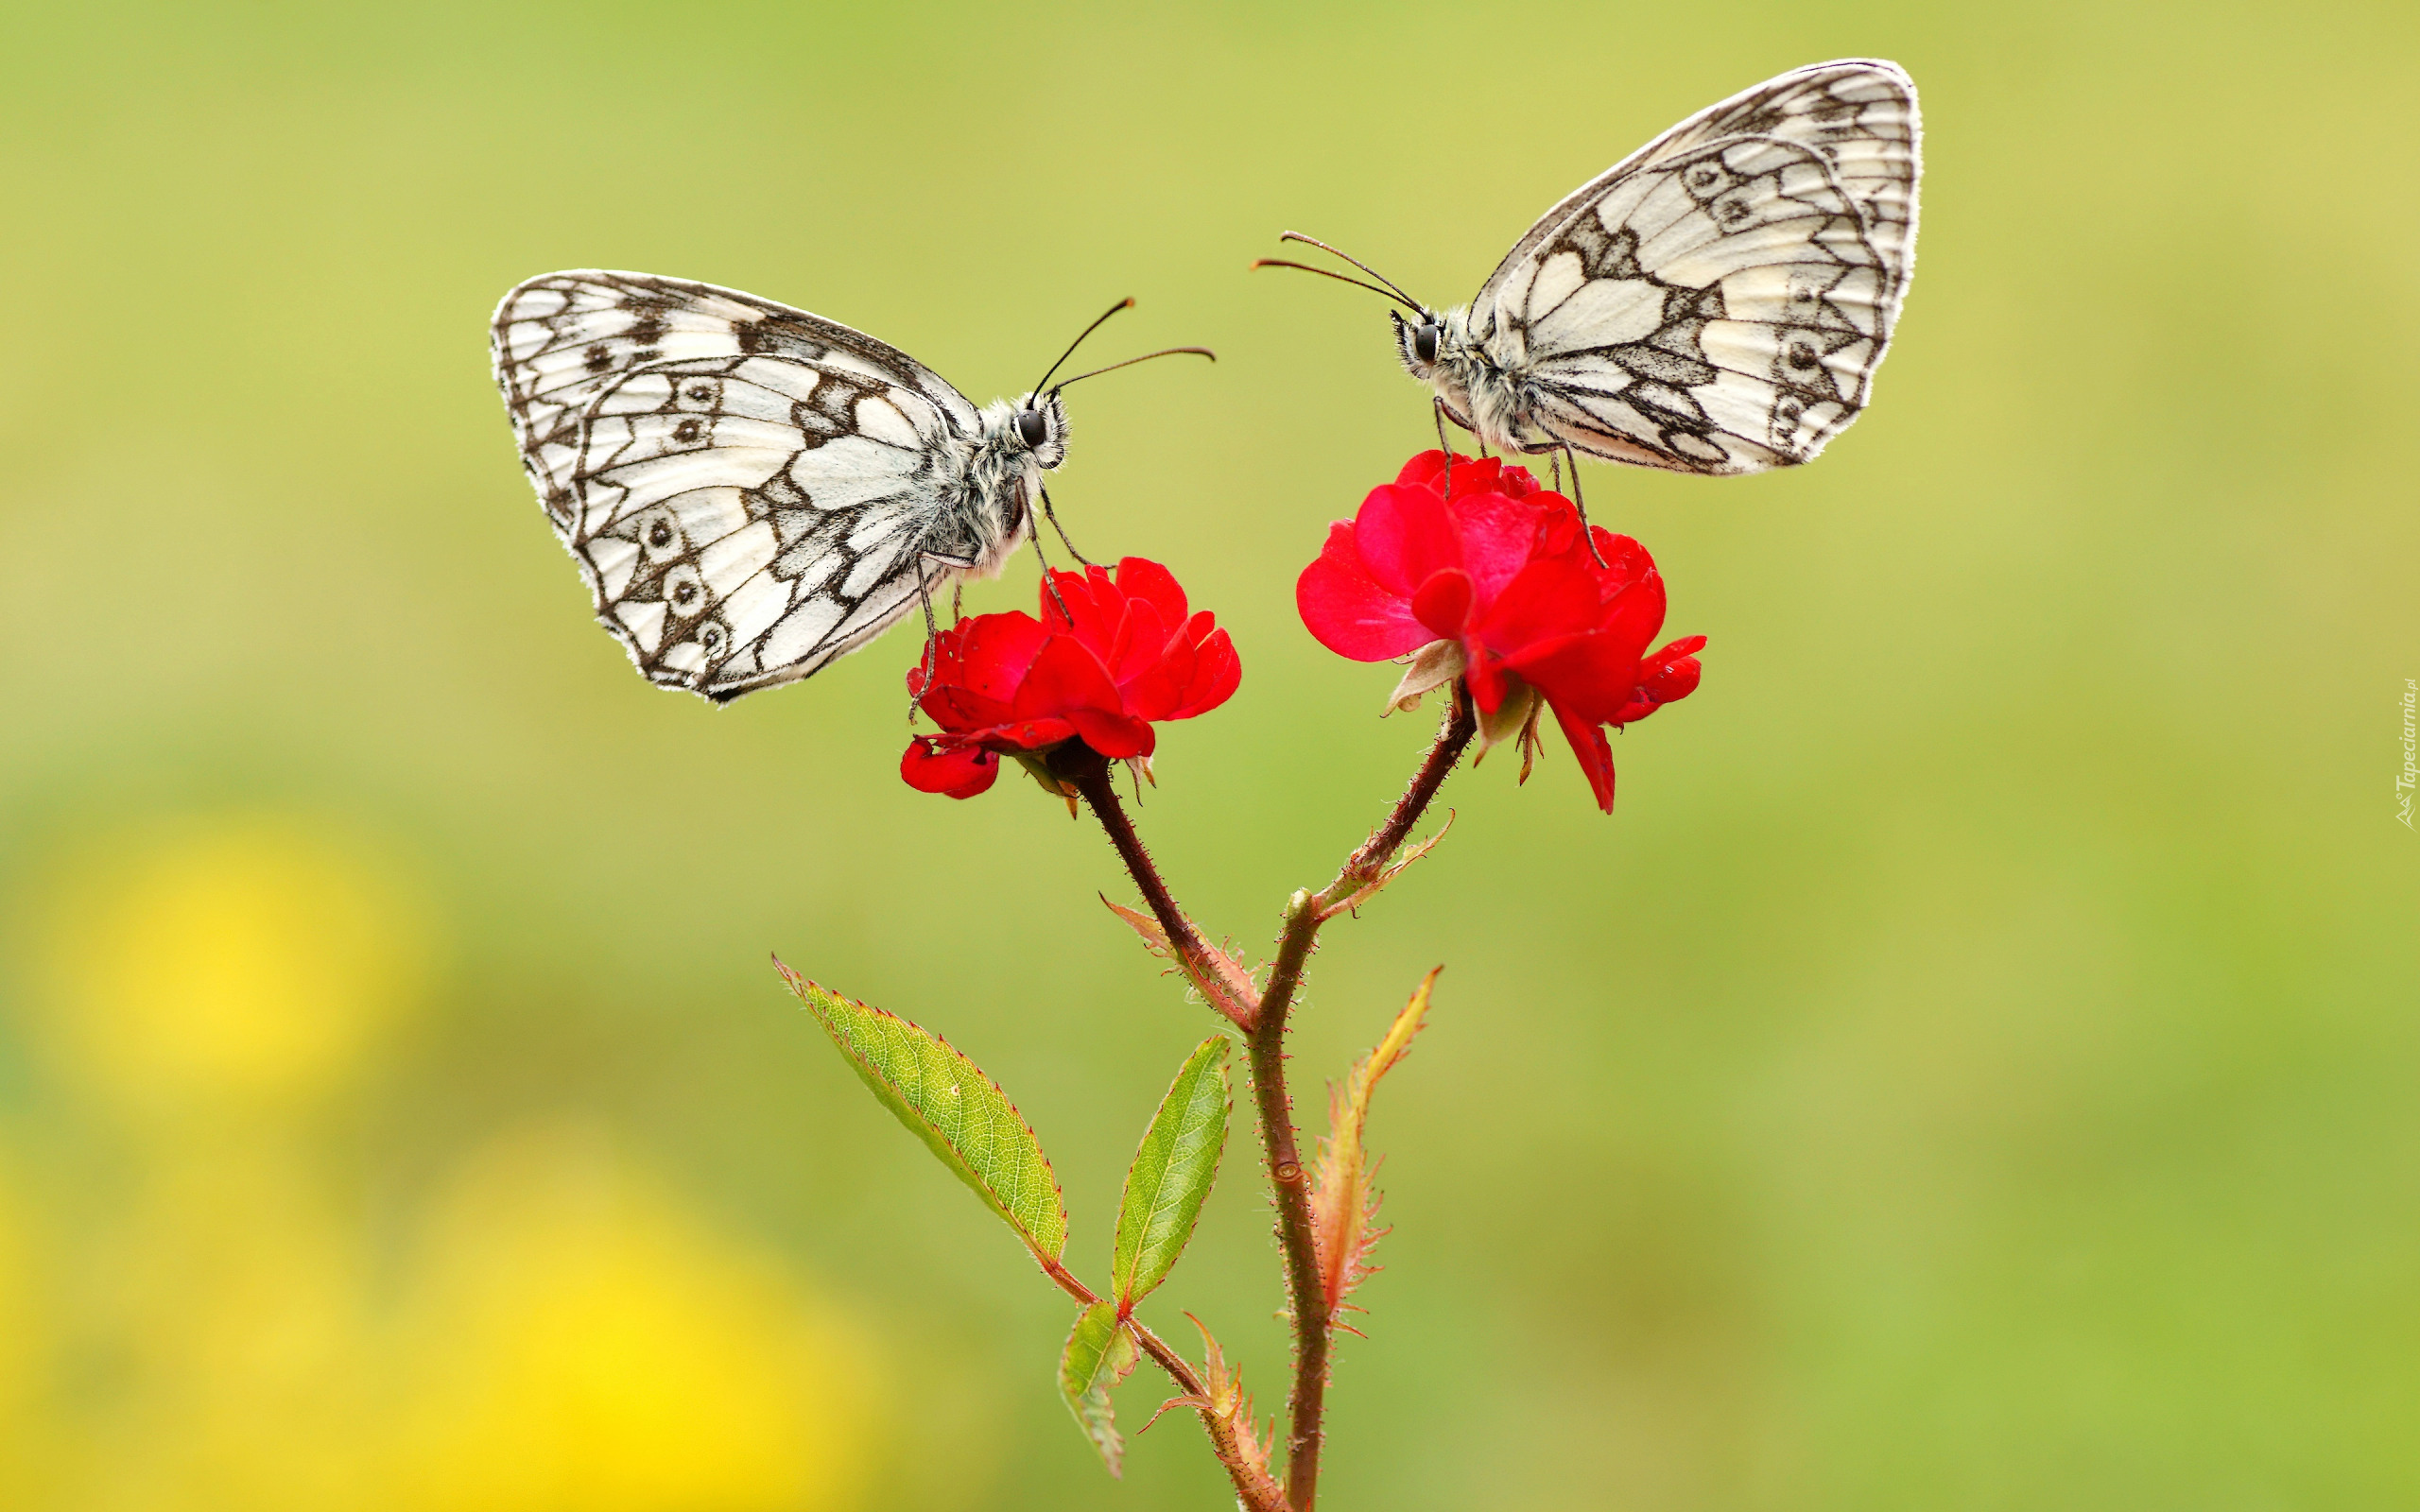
(1343, 1202)
(808, 992)
(1130, 1279)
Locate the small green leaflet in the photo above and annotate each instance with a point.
(1101, 1353)
(1171, 1174)
(946, 1101)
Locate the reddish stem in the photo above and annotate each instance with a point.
(1080, 764)
(1265, 1043)
(1314, 1323)
(1257, 1493)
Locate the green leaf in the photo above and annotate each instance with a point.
(1101, 1353)
(1171, 1174)
(946, 1101)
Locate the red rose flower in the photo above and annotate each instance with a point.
(1123, 654)
(1495, 583)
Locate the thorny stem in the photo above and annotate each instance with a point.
(1089, 771)
(1255, 1496)
(1265, 1043)
(1314, 1324)
(1289, 1182)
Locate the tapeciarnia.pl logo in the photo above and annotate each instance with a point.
(2409, 773)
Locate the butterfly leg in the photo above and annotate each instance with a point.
(1586, 533)
(1438, 412)
(932, 639)
(1050, 575)
(930, 567)
(1052, 515)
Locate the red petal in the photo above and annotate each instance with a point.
(1558, 526)
(1067, 676)
(1058, 594)
(1426, 468)
(959, 712)
(1026, 734)
(1517, 483)
(1217, 673)
(960, 773)
(1626, 562)
(1639, 707)
(1549, 598)
(1636, 612)
(1671, 674)
(1443, 602)
(1098, 609)
(1143, 639)
(1158, 687)
(1111, 733)
(1146, 580)
(1404, 535)
(1484, 676)
(1471, 474)
(1484, 475)
(1591, 676)
(1348, 613)
(1496, 534)
(1596, 755)
(989, 653)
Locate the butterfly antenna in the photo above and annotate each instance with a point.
(1313, 241)
(1125, 303)
(1341, 278)
(1164, 351)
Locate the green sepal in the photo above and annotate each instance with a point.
(1102, 1352)
(946, 1101)
(1171, 1174)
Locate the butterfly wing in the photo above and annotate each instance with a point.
(1718, 301)
(745, 486)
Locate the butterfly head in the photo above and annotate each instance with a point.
(1039, 425)
(1419, 341)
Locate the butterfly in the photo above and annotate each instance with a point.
(751, 491)
(1715, 302)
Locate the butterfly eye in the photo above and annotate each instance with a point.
(1425, 338)
(1031, 428)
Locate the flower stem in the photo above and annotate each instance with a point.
(1314, 1322)
(1265, 1043)
(1089, 771)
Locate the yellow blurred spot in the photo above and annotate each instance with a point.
(584, 1344)
(245, 960)
(563, 1333)
(21, 1328)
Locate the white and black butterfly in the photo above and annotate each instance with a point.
(751, 491)
(1715, 302)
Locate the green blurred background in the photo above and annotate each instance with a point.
(1973, 1069)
